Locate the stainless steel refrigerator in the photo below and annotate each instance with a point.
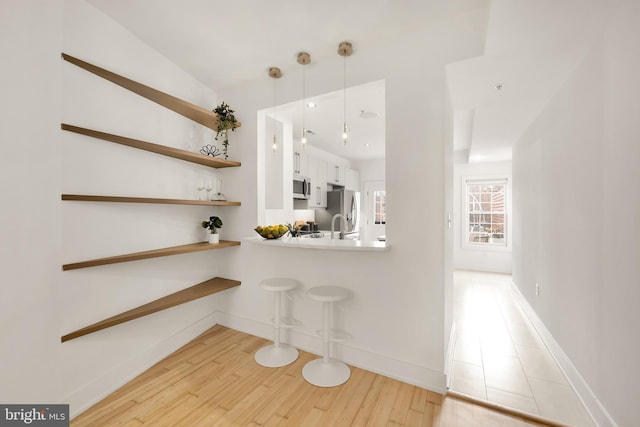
(345, 202)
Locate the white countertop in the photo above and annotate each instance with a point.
(324, 244)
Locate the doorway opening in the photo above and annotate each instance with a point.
(374, 214)
(498, 356)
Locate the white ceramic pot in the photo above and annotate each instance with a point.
(214, 238)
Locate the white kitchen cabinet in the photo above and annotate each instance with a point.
(351, 179)
(313, 176)
(335, 174)
(300, 163)
(318, 174)
(322, 183)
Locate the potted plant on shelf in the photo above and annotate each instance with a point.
(213, 224)
(226, 121)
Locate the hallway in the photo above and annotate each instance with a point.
(499, 356)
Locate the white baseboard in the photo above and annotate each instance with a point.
(388, 366)
(593, 406)
(90, 394)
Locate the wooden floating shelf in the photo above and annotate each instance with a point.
(120, 199)
(176, 153)
(155, 253)
(211, 286)
(191, 111)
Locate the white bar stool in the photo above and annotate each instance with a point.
(327, 372)
(278, 354)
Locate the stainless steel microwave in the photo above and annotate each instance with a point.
(301, 187)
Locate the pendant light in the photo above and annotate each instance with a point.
(275, 73)
(345, 49)
(303, 59)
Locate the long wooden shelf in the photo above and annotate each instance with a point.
(121, 199)
(211, 286)
(191, 111)
(176, 153)
(155, 253)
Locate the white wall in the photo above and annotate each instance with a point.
(486, 259)
(30, 168)
(40, 233)
(370, 170)
(397, 312)
(576, 209)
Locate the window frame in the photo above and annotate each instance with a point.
(383, 209)
(465, 223)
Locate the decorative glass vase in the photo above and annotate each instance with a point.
(219, 195)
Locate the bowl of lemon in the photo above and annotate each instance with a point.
(272, 232)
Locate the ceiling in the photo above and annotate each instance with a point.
(531, 48)
(227, 42)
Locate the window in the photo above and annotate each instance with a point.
(379, 207)
(486, 212)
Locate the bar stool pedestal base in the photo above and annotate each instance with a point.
(326, 374)
(275, 357)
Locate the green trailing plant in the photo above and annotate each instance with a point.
(226, 121)
(213, 224)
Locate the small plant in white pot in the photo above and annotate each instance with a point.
(213, 224)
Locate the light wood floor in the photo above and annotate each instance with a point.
(214, 381)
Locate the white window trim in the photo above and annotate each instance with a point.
(464, 223)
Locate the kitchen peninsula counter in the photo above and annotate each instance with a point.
(322, 244)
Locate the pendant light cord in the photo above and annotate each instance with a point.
(344, 88)
(303, 138)
(345, 129)
(275, 115)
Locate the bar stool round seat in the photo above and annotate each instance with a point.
(327, 371)
(278, 354)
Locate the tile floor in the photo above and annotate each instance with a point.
(499, 356)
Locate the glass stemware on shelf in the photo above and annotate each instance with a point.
(200, 187)
(213, 186)
(209, 187)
